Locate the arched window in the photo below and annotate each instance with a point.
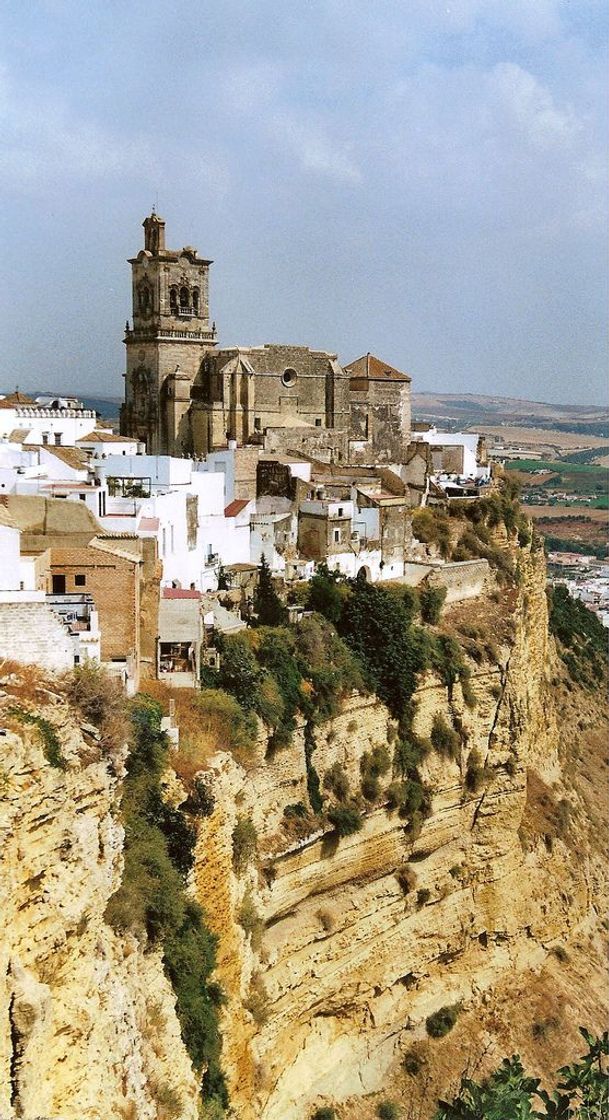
(173, 298)
(184, 302)
(195, 300)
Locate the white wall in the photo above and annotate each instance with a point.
(10, 577)
(72, 424)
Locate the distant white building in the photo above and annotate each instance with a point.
(456, 454)
(60, 422)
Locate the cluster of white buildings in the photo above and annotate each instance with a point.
(223, 514)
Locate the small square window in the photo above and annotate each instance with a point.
(336, 536)
(80, 581)
(57, 439)
(340, 511)
(318, 421)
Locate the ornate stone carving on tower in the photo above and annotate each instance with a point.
(166, 342)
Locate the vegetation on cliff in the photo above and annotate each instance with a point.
(510, 1094)
(582, 639)
(152, 901)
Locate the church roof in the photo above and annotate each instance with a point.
(371, 368)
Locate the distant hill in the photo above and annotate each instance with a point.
(454, 410)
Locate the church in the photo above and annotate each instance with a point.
(184, 395)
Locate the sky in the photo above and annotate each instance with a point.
(423, 180)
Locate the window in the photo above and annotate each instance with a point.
(57, 439)
(289, 377)
(336, 536)
(173, 299)
(318, 421)
(80, 580)
(257, 424)
(183, 297)
(45, 438)
(340, 511)
(83, 497)
(59, 584)
(195, 300)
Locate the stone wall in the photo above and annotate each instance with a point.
(33, 634)
(464, 579)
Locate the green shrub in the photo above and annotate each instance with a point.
(444, 738)
(412, 602)
(239, 671)
(298, 809)
(268, 608)
(324, 1114)
(423, 896)
(371, 787)
(432, 526)
(392, 652)
(313, 783)
(469, 696)
(442, 1021)
(245, 844)
(387, 1110)
(407, 755)
(346, 820)
(582, 637)
(583, 1090)
(474, 772)
(407, 879)
(152, 901)
(413, 1061)
(432, 601)
(201, 801)
(324, 595)
(251, 921)
(257, 1001)
(336, 780)
(51, 746)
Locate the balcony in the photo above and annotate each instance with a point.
(186, 312)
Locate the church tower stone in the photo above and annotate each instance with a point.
(167, 341)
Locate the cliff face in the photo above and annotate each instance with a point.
(87, 1021)
(367, 936)
(332, 953)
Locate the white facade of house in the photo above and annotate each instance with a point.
(467, 440)
(61, 426)
(183, 506)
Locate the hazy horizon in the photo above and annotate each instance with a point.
(422, 181)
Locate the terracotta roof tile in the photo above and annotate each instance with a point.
(371, 368)
(235, 507)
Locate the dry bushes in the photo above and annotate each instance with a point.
(209, 720)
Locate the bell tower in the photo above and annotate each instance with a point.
(166, 341)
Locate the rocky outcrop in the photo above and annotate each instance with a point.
(367, 936)
(88, 1028)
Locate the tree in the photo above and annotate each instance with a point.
(509, 1094)
(324, 595)
(268, 607)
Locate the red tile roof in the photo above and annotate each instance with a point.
(235, 507)
(373, 369)
(15, 400)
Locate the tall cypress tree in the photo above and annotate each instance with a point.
(268, 607)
